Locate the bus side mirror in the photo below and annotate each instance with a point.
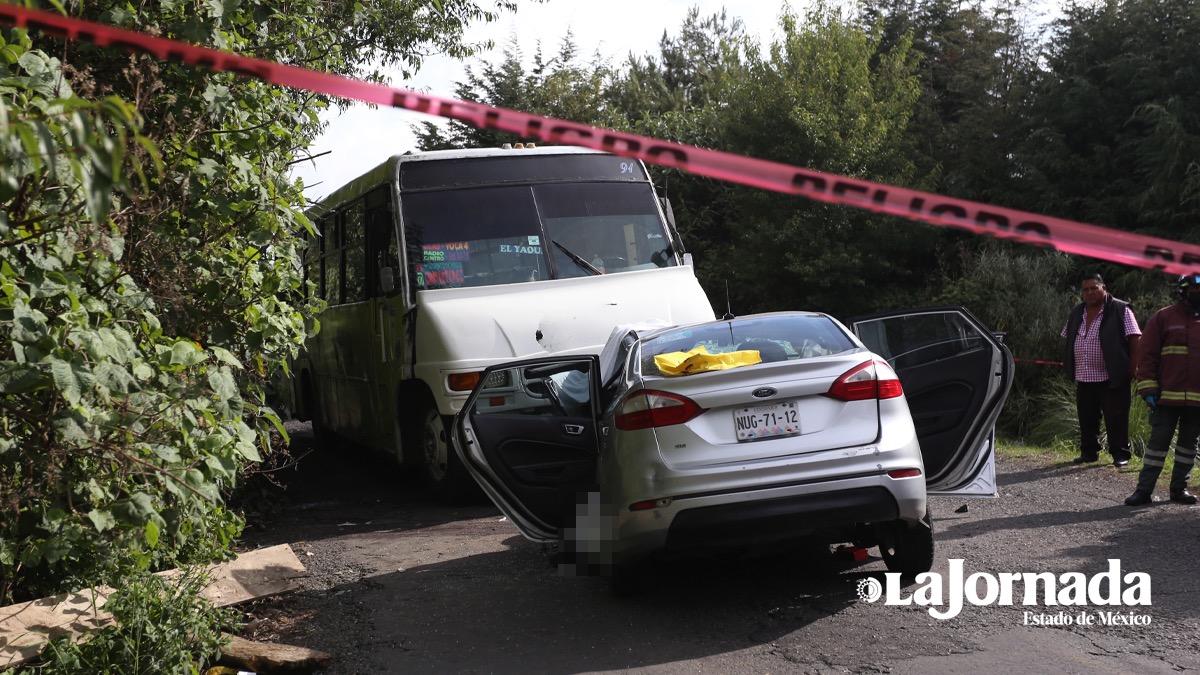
(387, 281)
(668, 211)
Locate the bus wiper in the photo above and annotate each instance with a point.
(575, 258)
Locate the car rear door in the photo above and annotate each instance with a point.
(527, 434)
(956, 376)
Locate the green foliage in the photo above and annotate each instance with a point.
(1018, 291)
(118, 438)
(692, 71)
(1114, 122)
(974, 62)
(1057, 422)
(827, 97)
(163, 626)
(559, 87)
(150, 289)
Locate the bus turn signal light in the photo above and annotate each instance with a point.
(462, 381)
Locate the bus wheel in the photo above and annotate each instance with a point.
(321, 432)
(441, 470)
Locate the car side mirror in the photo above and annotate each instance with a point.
(387, 280)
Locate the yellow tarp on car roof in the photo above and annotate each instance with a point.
(698, 360)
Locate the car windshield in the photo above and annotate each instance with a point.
(775, 338)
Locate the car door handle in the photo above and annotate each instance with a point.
(573, 429)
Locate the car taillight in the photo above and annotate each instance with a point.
(647, 409)
(868, 380)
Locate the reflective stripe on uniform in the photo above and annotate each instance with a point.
(1185, 456)
(1180, 396)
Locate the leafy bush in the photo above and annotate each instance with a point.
(119, 436)
(151, 289)
(1018, 292)
(163, 626)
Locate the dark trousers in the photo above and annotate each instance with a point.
(1094, 400)
(1163, 421)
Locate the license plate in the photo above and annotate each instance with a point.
(765, 421)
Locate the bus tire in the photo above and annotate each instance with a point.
(321, 432)
(442, 472)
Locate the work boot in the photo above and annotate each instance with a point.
(1139, 498)
(1180, 497)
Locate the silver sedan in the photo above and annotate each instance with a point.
(742, 433)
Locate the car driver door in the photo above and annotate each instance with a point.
(527, 434)
(956, 376)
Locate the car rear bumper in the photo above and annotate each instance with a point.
(750, 517)
(750, 523)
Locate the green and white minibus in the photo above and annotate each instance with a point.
(436, 265)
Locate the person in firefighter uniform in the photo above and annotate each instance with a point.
(1168, 380)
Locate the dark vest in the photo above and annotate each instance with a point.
(1113, 342)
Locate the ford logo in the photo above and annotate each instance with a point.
(764, 392)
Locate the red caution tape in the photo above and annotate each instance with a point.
(1062, 235)
(1039, 363)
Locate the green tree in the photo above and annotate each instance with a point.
(975, 61)
(1114, 124)
(149, 266)
(826, 97)
(560, 86)
(689, 73)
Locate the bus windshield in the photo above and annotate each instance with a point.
(484, 236)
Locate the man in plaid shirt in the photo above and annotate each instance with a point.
(1102, 339)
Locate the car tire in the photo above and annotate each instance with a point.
(909, 549)
(443, 474)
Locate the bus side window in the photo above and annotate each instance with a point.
(382, 250)
(355, 261)
(331, 259)
(312, 261)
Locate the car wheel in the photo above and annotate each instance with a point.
(909, 549)
(443, 474)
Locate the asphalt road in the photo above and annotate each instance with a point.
(402, 585)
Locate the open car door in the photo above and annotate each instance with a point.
(527, 434)
(956, 376)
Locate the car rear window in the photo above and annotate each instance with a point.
(775, 338)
